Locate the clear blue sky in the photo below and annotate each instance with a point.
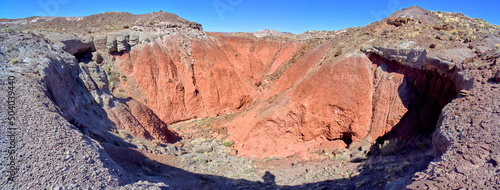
(251, 15)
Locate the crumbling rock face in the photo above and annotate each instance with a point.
(89, 75)
(84, 92)
(71, 43)
(323, 110)
(466, 144)
(399, 21)
(423, 100)
(55, 116)
(422, 68)
(139, 120)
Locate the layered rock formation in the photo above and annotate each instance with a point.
(59, 129)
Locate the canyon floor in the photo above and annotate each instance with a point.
(123, 101)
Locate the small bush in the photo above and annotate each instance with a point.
(227, 142)
(270, 159)
(14, 61)
(389, 146)
(123, 134)
(10, 30)
(9, 48)
(120, 95)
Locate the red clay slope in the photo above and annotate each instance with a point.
(221, 76)
(321, 107)
(320, 100)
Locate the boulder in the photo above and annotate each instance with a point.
(111, 44)
(398, 21)
(100, 43)
(445, 27)
(97, 77)
(97, 57)
(71, 43)
(133, 39)
(434, 43)
(122, 42)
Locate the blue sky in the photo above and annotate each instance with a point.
(251, 15)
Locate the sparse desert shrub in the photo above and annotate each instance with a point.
(389, 146)
(207, 129)
(10, 30)
(114, 76)
(204, 150)
(113, 79)
(120, 94)
(336, 155)
(8, 49)
(14, 61)
(227, 142)
(270, 159)
(123, 134)
(153, 22)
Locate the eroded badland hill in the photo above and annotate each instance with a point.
(123, 101)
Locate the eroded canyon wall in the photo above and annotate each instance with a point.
(322, 100)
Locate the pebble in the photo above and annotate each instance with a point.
(460, 169)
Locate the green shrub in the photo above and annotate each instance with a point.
(10, 30)
(227, 142)
(14, 61)
(120, 95)
(124, 135)
(389, 146)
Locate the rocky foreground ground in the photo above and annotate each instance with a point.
(122, 101)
